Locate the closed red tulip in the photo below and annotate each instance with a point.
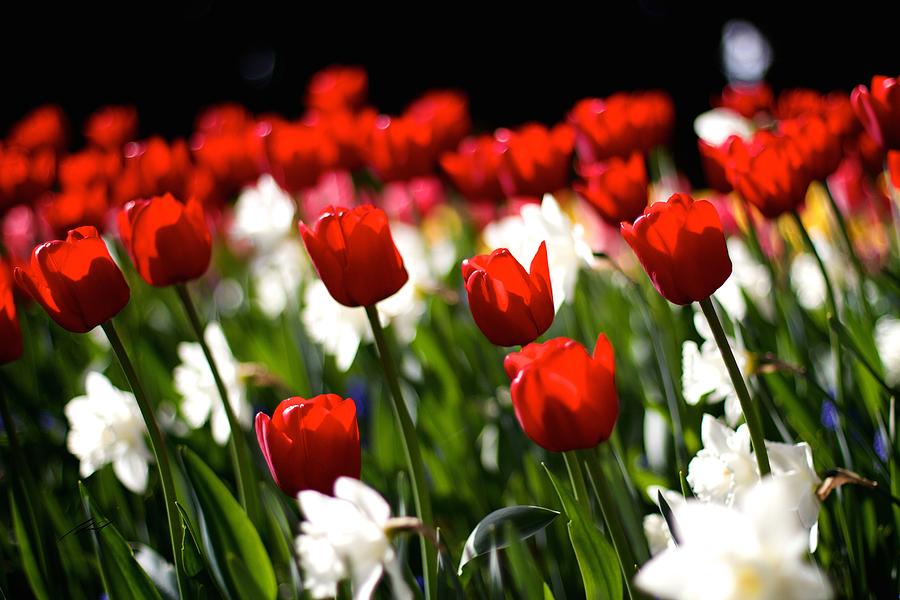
(564, 398)
(338, 88)
(309, 443)
(168, 241)
(616, 188)
(474, 169)
(681, 245)
(111, 126)
(878, 109)
(512, 307)
(535, 160)
(769, 172)
(354, 254)
(75, 280)
(10, 334)
(152, 168)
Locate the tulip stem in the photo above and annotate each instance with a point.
(159, 451)
(751, 415)
(576, 476)
(411, 450)
(240, 454)
(611, 516)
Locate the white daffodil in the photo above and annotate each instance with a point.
(806, 277)
(794, 465)
(656, 530)
(341, 329)
(887, 340)
(347, 536)
(704, 375)
(105, 426)
(754, 550)
(263, 215)
(715, 126)
(725, 469)
(194, 381)
(567, 249)
(264, 219)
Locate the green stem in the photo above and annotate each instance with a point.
(754, 422)
(576, 476)
(240, 454)
(158, 446)
(611, 517)
(861, 274)
(410, 442)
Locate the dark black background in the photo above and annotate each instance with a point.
(516, 62)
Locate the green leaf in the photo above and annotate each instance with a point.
(491, 531)
(191, 557)
(230, 540)
(596, 557)
(30, 560)
(448, 585)
(123, 577)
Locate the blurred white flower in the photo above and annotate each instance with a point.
(340, 329)
(887, 340)
(704, 374)
(747, 276)
(347, 536)
(656, 438)
(263, 215)
(656, 530)
(725, 468)
(806, 277)
(264, 218)
(746, 53)
(755, 550)
(277, 275)
(567, 249)
(793, 464)
(105, 426)
(194, 381)
(715, 126)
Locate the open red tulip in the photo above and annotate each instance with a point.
(564, 398)
(512, 307)
(681, 245)
(76, 280)
(355, 255)
(309, 443)
(168, 241)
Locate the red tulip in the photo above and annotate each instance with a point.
(616, 188)
(769, 173)
(747, 99)
(228, 117)
(564, 398)
(399, 148)
(24, 175)
(308, 444)
(44, 128)
(299, 154)
(111, 126)
(879, 110)
(355, 255)
(715, 165)
(819, 147)
(10, 334)
(235, 158)
(681, 245)
(338, 88)
(621, 124)
(76, 280)
(446, 116)
(89, 168)
(74, 208)
(512, 307)
(536, 160)
(152, 168)
(168, 241)
(474, 168)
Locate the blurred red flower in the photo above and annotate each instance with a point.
(878, 109)
(44, 128)
(616, 188)
(474, 168)
(621, 124)
(338, 88)
(111, 127)
(10, 333)
(747, 99)
(535, 160)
